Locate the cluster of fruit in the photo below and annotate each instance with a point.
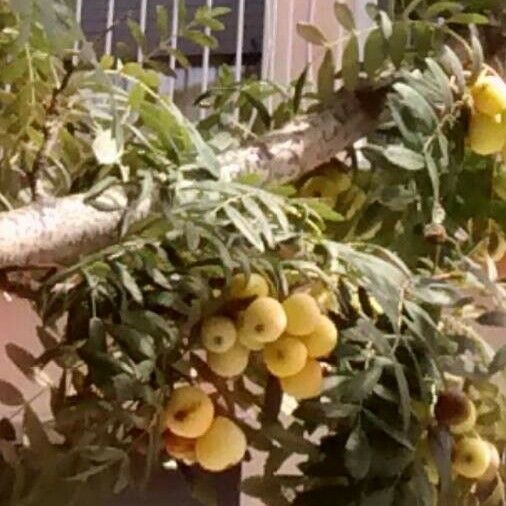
(473, 457)
(193, 434)
(291, 336)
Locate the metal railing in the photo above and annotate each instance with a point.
(277, 63)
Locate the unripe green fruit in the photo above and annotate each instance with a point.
(231, 363)
(218, 334)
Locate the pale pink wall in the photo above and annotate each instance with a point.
(18, 324)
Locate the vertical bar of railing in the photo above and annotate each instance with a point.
(173, 44)
(239, 45)
(309, 47)
(240, 40)
(206, 55)
(109, 27)
(289, 49)
(274, 40)
(79, 15)
(143, 15)
(266, 42)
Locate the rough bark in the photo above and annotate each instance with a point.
(60, 230)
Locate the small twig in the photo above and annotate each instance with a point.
(49, 133)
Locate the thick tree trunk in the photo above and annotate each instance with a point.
(60, 230)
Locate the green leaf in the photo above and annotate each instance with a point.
(129, 282)
(312, 34)
(351, 63)
(468, 18)
(136, 32)
(394, 433)
(326, 78)
(263, 112)
(498, 363)
(9, 394)
(454, 66)
(374, 53)
(299, 89)
(385, 24)
(404, 395)
(244, 227)
(162, 21)
(201, 39)
(344, 16)
(137, 345)
(398, 42)
(256, 212)
(384, 497)
(403, 157)
(439, 8)
(358, 454)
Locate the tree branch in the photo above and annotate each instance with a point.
(62, 229)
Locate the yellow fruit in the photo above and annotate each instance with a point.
(322, 340)
(302, 313)
(255, 286)
(321, 187)
(189, 412)
(231, 363)
(247, 340)
(180, 448)
(453, 407)
(471, 457)
(495, 463)
(285, 357)
(264, 320)
(489, 95)
(487, 135)
(222, 446)
(218, 334)
(468, 423)
(306, 384)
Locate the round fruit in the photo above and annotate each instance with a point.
(487, 135)
(321, 187)
(471, 457)
(302, 313)
(189, 412)
(218, 334)
(231, 363)
(306, 384)
(247, 340)
(254, 286)
(322, 340)
(453, 407)
(180, 448)
(285, 357)
(264, 320)
(489, 94)
(468, 424)
(222, 446)
(495, 463)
